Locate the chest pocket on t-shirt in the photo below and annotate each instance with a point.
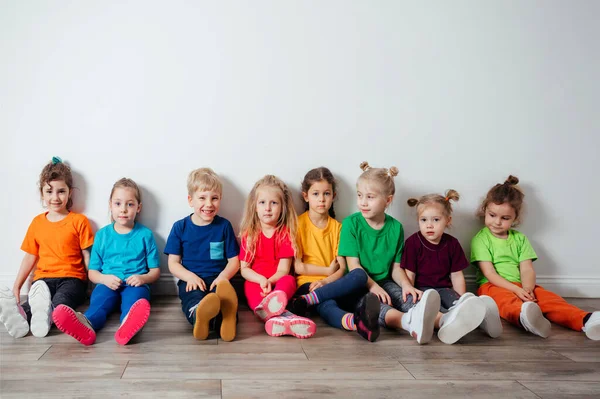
(217, 250)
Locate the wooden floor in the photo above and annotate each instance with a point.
(164, 360)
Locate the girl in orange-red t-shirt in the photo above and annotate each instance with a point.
(57, 243)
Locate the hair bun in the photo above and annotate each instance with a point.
(364, 166)
(512, 180)
(393, 171)
(412, 202)
(452, 195)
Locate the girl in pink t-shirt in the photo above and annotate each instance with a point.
(268, 234)
(435, 260)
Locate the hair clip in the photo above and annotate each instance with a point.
(56, 160)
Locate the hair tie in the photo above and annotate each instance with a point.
(446, 199)
(56, 160)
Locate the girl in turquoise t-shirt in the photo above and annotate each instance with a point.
(504, 259)
(372, 240)
(124, 262)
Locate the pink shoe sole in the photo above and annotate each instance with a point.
(136, 319)
(299, 327)
(272, 305)
(67, 321)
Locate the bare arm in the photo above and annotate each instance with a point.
(251, 275)
(354, 263)
(178, 270)
(25, 269)
(339, 273)
(232, 267)
(400, 277)
(411, 276)
(283, 269)
(86, 257)
(151, 276)
(458, 282)
(528, 276)
(488, 270)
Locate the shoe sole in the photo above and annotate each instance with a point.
(10, 316)
(467, 317)
(40, 302)
(136, 319)
(593, 332)
(432, 305)
(299, 327)
(272, 305)
(229, 307)
(371, 322)
(538, 322)
(207, 309)
(492, 324)
(66, 320)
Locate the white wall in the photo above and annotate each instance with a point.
(456, 94)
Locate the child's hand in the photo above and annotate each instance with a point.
(530, 292)
(381, 294)
(333, 267)
(17, 294)
(111, 281)
(410, 290)
(316, 284)
(265, 284)
(216, 281)
(195, 283)
(135, 281)
(524, 295)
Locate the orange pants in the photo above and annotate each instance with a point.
(554, 307)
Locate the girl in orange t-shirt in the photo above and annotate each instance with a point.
(57, 243)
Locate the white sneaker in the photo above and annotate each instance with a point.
(40, 302)
(12, 315)
(592, 327)
(461, 319)
(491, 324)
(533, 320)
(421, 317)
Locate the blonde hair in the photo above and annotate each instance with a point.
(287, 224)
(382, 176)
(443, 201)
(204, 179)
(125, 182)
(507, 192)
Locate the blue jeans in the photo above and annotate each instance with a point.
(104, 301)
(340, 297)
(190, 300)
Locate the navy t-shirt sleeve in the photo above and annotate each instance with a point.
(232, 249)
(409, 255)
(173, 246)
(457, 257)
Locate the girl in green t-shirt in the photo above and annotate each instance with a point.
(504, 259)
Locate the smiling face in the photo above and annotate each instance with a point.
(499, 218)
(124, 207)
(206, 205)
(268, 205)
(319, 197)
(433, 222)
(371, 201)
(55, 195)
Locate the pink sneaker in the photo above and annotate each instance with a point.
(272, 305)
(134, 321)
(74, 323)
(290, 324)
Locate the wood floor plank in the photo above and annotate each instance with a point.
(581, 355)
(537, 371)
(23, 352)
(46, 370)
(301, 389)
(281, 369)
(564, 389)
(53, 388)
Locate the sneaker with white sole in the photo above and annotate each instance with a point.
(290, 324)
(461, 319)
(420, 318)
(272, 305)
(492, 324)
(592, 327)
(533, 320)
(40, 302)
(12, 315)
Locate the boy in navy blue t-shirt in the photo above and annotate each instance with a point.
(203, 255)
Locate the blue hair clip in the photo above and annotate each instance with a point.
(56, 160)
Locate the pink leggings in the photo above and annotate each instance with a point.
(254, 295)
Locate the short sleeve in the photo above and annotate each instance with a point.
(232, 249)
(458, 260)
(348, 240)
(96, 261)
(285, 249)
(152, 258)
(480, 252)
(400, 249)
(526, 251)
(409, 255)
(29, 244)
(86, 237)
(173, 246)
